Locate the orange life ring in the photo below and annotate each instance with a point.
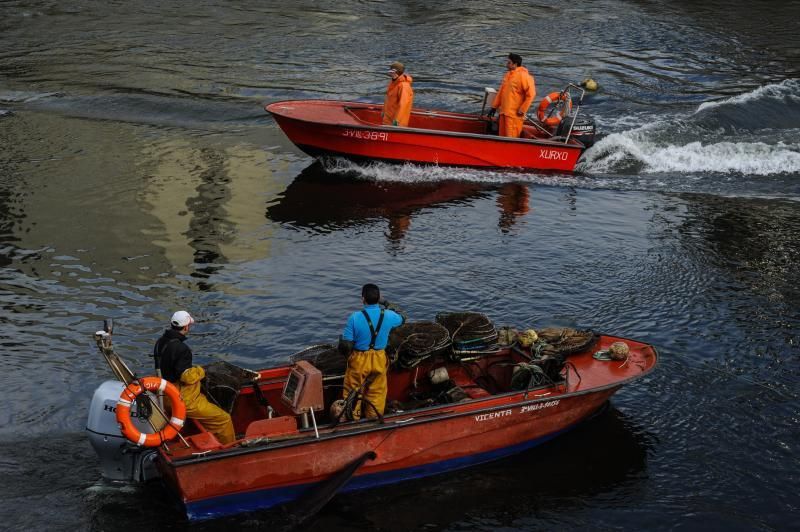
(134, 390)
(560, 111)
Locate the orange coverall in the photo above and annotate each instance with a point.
(516, 94)
(399, 98)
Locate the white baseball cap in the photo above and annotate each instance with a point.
(181, 319)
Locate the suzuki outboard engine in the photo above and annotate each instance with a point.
(583, 129)
(119, 458)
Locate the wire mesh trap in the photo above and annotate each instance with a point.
(413, 342)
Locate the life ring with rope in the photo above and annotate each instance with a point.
(129, 395)
(562, 106)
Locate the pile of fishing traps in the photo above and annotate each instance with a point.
(473, 334)
(324, 357)
(413, 342)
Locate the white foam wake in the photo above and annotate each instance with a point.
(413, 173)
(632, 149)
(789, 88)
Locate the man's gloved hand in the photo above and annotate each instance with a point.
(491, 112)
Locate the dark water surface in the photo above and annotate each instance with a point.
(139, 174)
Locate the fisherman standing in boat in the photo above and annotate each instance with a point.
(363, 342)
(174, 359)
(515, 96)
(399, 97)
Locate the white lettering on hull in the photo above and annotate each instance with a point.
(538, 406)
(366, 135)
(522, 410)
(493, 415)
(553, 155)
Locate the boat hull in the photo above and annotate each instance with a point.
(324, 128)
(406, 448)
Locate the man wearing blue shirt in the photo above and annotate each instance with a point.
(364, 343)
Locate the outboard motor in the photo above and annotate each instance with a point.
(119, 458)
(583, 130)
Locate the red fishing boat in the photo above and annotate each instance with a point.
(354, 130)
(458, 404)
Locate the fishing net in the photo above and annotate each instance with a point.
(224, 381)
(324, 357)
(411, 343)
(473, 334)
(563, 341)
(527, 376)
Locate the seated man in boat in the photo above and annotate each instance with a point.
(363, 342)
(399, 97)
(516, 93)
(174, 359)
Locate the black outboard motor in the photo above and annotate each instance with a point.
(583, 129)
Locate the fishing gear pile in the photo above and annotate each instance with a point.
(473, 334)
(224, 381)
(548, 350)
(563, 341)
(413, 342)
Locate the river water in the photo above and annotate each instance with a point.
(139, 174)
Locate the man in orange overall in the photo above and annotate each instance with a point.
(514, 97)
(399, 97)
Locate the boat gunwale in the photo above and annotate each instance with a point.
(430, 415)
(573, 144)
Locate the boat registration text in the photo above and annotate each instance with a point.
(366, 135)
(510, 411)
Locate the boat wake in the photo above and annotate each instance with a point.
(753, 134)
(745, 146)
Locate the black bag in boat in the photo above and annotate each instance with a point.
(473, 334)
(413, 342)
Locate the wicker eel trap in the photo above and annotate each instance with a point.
(413, 342)
(473, 334)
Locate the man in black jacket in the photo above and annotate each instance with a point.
(174, 359)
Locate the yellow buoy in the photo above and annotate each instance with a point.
(589, 84)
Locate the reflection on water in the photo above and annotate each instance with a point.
(320, 202)
(207, 200)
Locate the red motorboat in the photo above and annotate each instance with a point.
(460, 404)
(354, 130)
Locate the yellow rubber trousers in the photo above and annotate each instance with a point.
(213, 418)
(359, 366)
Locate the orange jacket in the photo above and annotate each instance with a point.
(516, 92)
(399, 98)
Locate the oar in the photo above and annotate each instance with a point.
(318, 496)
